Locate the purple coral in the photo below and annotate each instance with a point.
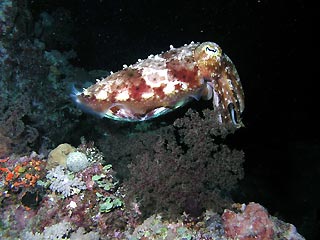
(184, 169)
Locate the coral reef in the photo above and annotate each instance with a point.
(153, 180)
(33, 199)
(30, 71)
(186, 167)
(213, 226)
(93, 204)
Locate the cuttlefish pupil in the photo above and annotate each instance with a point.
(211, 49)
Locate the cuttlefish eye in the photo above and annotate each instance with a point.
(208, 53)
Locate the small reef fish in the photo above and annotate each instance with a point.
(164, 82)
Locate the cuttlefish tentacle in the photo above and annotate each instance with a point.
(223, 79)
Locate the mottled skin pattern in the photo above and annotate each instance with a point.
(164, 82)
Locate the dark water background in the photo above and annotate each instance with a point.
(271, 44)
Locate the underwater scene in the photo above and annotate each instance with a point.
(155, 120)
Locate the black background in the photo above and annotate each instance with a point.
(270, 42)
